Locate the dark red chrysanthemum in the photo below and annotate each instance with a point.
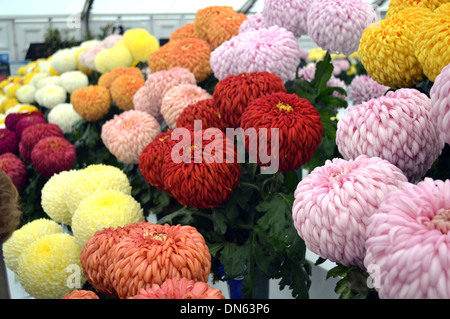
(28, 121)
(9, 141)
(53, 155)
(12, 118)
(33, 134)
(204, 110)
(202, 174)
(151, 159)
(14, 168)
(299, 129)
(235, 92)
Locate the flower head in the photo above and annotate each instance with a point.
(14, 168)
(106, 79)
(158, 60)
(33, 134)
(81, 294)
(86, 58)
(334, 202)
(206, 111)
(408, 240)
(291, 15)
(49, 80)
(27, 121)
(142, 103)
(64, 60)
(363, 88)
(186, 31)
(253, 22)
(111, 40)
(203, 19)
(53, 155)
(127, 134)
(9, 141)
(123, 89)
(92, 102)
(12, 118)
(440, 103)
(140, 43)
(50, 95)
(223, 27)
(396, 127)
(396, 6)
(25, 94)
(74, 80)
(64, 116)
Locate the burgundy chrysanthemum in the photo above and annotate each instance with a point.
(33, 134)
(9, 141)
(12, 119)
(53, 155)
(14, 168)
(28, 121)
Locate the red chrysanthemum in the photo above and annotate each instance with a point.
(53, 155)
(14, 168)
(81, 294)
(28, 121)
(151, 159)
(183, 288)
(9, 141)
(12, 118)
(202, 174)
(205, 111)
(299, 129)
(235, 92)
(33, 134)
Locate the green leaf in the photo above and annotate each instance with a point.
(234, 258)
(324, 70)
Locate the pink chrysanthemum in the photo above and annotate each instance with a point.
(142, 103)
(253, 22)
(86, 58)
(337, 25)
(33, 134)
(14, 168)
(334, 202)
(28, 121)
(178, 98)
(272, 49)
(9, 141)
(111, 40)
(340, 65)
(291, 15)
(128, 133)
(308, 73)
(440, 103)
(52, 155)
(408, 242)
(396, 127)
(363, 88)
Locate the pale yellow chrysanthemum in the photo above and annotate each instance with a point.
(101, 60)
(24, 236)
(50, 95)
(104, 209)
(316, 54)
(27, 108)
(140, 43)
(44, 66)
(27, 78)
(119, 56)
(64, 116)
(73, 80)
(64, 60)
(25, 94)
(22, 70)
(50, 267)
(53, 79)
(38, 77)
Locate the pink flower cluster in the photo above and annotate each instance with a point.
(363, 88)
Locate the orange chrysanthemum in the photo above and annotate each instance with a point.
(223, 27)
(183, 288)
(186, 31)
(91, 102)
(205, 111)
(158, 59)
(396, 6)
(123, 89)
(81, 294)
(107, 79)
(192, 54)
(204, 16)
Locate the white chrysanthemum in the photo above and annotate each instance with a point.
(38, 77)
(64, 60)
(50, 95)
(44, 66)
(24, 236)
(74, 80)
(54, 80)
(14, 109)
(64, 116)
(25, 94)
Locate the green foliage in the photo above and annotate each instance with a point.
(353, 283)
(55, 41)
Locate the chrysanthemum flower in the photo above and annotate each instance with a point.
(33, 134)
(111, 40)
(54, 80)
(334, 202)
(204, 16)
(11, 90)
(151, 159)
(158, 61)
(396, 127)
(12, 118)
(101, 59)
(235, 92)
(7, 104)
(123, 89)
(140, 43)
(396, 6)
(24, 236)
(50, 95)
(81, 294)
(92, 102)
(119, 56)
(104, 209)
(205, 175)
(86, 58)
(299, 124)
(44, 267)
(27, 121)
(363, 88)
(9, 141)
(272, 49)
(64, 60)
(186, 31)
(14, 168)
(291, 15)
(192, 54)
(387, 49)
(153, 253)
(223, 27)
(408, 242)
(107, 79)
(177, 288)
(53, 155)
(128, 133)
(206, 111)
(141, 102)
(25, 94)
(64, 116)
(440, 103)
(74, 80)
(431, 42)
(254, 22)
(178, 98)
(337, 25)
(38, 77)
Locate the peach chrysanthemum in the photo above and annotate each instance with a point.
(186, 31)
(223, 27)
(81, 294)
(92, 102)
(123, 89)
(204, 16)
(106, 79)
(142, 103)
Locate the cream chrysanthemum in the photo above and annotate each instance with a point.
(50, 95)
(46, 266)
(25, 94)
(38, 77)
(50, 80)
(24, 236)
(73, 80)
(64, 60)
(64, 116)
(103, 210)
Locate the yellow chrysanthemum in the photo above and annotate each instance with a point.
(7, 104)
(27, 78)
(432, 42)
(102, 210)
(119, 56)
(387, 49)
(22, 70)
(24, 236)
(396, 6)
(27, 108)
(101, 60)
(316, 54)
(11, 91)
(3, 84)
(50, 267)
(25, 94)
(140, 43)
